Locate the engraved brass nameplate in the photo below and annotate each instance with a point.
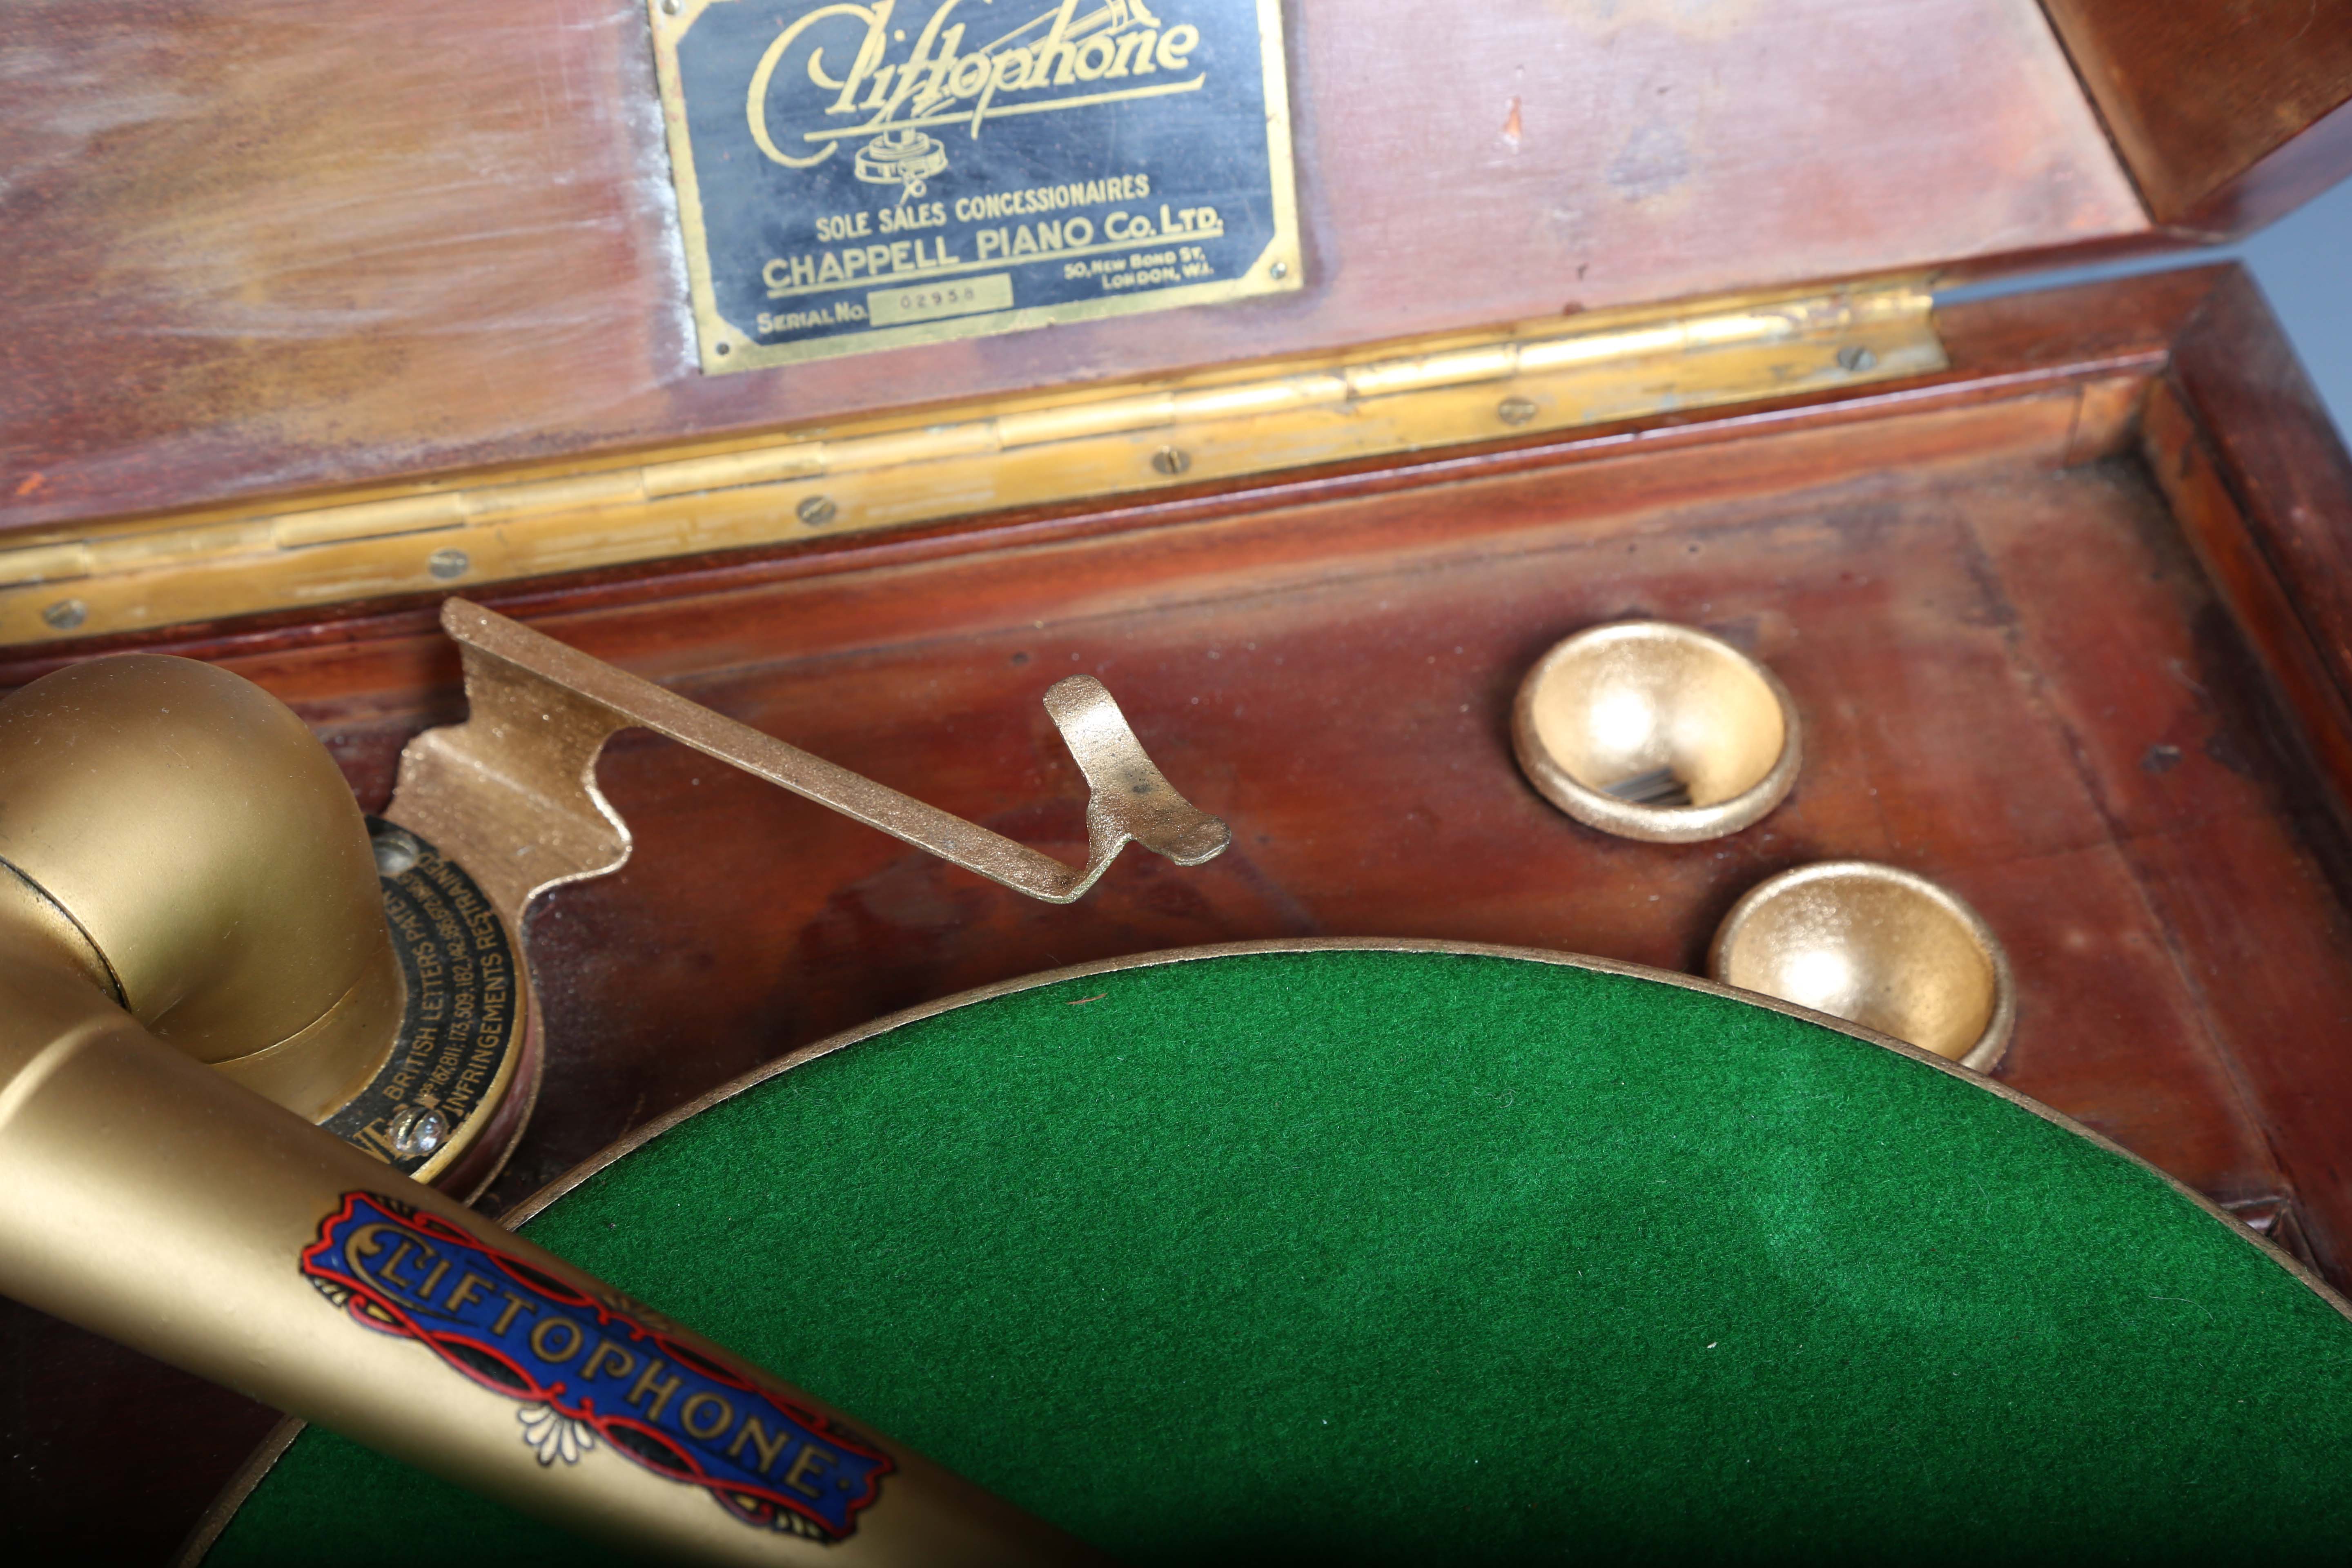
(853, 177)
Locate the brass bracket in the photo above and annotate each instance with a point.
(511, 793)
(989, 455)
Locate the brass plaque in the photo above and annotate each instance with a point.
(854, 177)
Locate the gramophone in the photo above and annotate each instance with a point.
(1388, 1188)
(1127, 1239)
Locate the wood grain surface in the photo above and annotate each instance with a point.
(261, 245)
(2017, 674)
(2229, 112)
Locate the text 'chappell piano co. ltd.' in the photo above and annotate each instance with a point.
(976, 165)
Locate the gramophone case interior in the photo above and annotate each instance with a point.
(1584, 310)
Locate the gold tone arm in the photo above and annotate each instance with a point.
(194, 916)
(148, 1197)
(193, 909)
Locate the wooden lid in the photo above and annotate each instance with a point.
(256, 251)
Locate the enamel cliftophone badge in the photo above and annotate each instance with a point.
(853, 177)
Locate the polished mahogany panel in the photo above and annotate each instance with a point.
(2229, 114)
(255, 245)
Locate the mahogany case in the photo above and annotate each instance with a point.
(2068, 618)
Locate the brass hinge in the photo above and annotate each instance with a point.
(988, 456)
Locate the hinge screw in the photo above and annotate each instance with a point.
(416, 1131)
(1855, 358)
(817, 511)
(1171, 460)
(1515, 410)
(65, 615)
(396, 852)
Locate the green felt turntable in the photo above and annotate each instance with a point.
(1382, 1252)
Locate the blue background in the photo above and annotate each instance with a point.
(2303, 263)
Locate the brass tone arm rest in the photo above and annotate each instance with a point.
(520, 772)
